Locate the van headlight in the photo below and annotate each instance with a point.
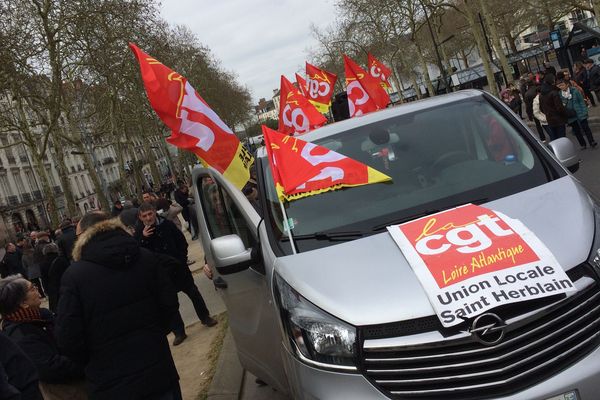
(318, 336)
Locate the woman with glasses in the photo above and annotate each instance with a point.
(31, 328)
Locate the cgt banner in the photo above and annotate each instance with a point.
(470, 259)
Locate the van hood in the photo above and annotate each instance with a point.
(368, 281)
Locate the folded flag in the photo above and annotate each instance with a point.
(302, 169)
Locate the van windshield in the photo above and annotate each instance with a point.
(438, 158)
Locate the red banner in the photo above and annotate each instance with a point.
(365, 94)
(194, 125)
(296, 114)
(303, 169)
(379, 71)
(301, 83)
(320, 84)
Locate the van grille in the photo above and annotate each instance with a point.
(531, 351)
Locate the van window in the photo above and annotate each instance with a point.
(445, 156)
(221, 213)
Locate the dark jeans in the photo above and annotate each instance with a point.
(578, 127)
(556, 132)
(177, 326)
(539, 128)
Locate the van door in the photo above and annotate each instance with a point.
(253, 316)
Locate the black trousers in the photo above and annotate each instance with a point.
(578, 127)
(191, 290)
(539, 128)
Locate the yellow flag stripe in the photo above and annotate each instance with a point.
(238, 172)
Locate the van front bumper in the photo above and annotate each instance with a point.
(310, 383)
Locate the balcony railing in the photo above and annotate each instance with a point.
(27, 198)
(57, 190)
(37, 195)
(12, 200)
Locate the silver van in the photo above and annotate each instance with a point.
(336, 312)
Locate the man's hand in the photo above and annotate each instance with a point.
(148, 231)
(207, 271)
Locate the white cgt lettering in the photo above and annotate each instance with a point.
(316, 88)
(334, 173)
(204, 134)
(355, 86)
(468, 239)
(376, 72)
(295, 119)
(330, 156)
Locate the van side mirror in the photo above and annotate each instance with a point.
(230, 254)
(565, 152)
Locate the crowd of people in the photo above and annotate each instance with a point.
(554, 100)
(111, 281)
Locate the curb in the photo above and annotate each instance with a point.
(229, 376)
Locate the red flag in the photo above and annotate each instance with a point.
(303, 169)
(365, 94)
(320, 85)
(194, 126)
(296, 114)
(301, 82)
(379, 71)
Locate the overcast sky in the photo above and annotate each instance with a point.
(259, 40)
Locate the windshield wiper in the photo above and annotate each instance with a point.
(424, 214)
(331, 236)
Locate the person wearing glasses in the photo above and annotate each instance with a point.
(31, 328)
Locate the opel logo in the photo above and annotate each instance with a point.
(488, 329)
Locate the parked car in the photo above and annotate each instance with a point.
(336, 312)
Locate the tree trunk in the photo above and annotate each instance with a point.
(489, 22)
(413, 80)
(464, 58)
(596, 7)
(423, 65)
(49, 194)
(63, 177)
(481, 45)
(95, 178)
(151, 158)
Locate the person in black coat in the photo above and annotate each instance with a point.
(18, 376)
(66, 241)
(11, 263)
(31, 328)
(162, 236)
(182, 198)
(551, 105)
(115, 309)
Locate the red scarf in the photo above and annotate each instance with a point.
(25, 315)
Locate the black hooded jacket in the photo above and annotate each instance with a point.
(168, 242)
(114, 313)
(552, 106)
(66, 241)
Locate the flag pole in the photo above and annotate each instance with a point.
(286, 226)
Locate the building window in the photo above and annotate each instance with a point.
(19, 182)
